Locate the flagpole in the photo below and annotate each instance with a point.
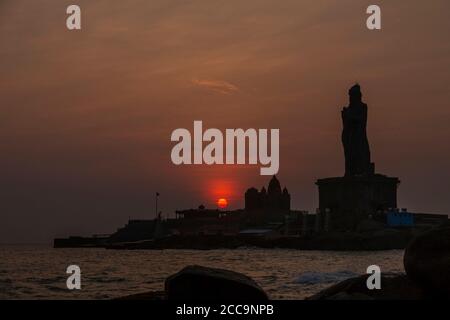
(156, 205)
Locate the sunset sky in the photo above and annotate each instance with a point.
(86, 116)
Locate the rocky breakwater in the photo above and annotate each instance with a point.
(427, 265)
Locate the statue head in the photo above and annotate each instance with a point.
(355, 94)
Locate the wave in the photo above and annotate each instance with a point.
(102, 279)
(310, 278)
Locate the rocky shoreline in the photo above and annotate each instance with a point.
(426, 262)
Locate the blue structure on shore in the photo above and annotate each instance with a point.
(395, 218)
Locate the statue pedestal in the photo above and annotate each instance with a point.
(349, 200)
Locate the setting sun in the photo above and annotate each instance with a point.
(222, 203)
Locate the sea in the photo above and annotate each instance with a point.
(39, 272)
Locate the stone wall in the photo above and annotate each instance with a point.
(349, 200)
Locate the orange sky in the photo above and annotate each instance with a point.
(86, 116)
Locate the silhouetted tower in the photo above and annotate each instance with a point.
(354, 135)
(252, 200)
(286, 202)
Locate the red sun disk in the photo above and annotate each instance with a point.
(222, 203)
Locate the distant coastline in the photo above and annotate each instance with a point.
(369, 241)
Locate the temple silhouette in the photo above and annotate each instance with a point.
(273, 198)
(361, 193)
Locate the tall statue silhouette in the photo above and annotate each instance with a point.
(354, 136)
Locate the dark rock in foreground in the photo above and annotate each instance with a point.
(427, 261)
(202, 283)
(393, 287)
(197, 283)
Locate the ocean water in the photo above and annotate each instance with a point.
(39, 272)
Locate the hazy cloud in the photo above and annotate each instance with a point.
(216, 85)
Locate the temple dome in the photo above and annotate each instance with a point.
(274, 186)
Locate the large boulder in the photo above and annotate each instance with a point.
(427, 261)
(210, 284)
